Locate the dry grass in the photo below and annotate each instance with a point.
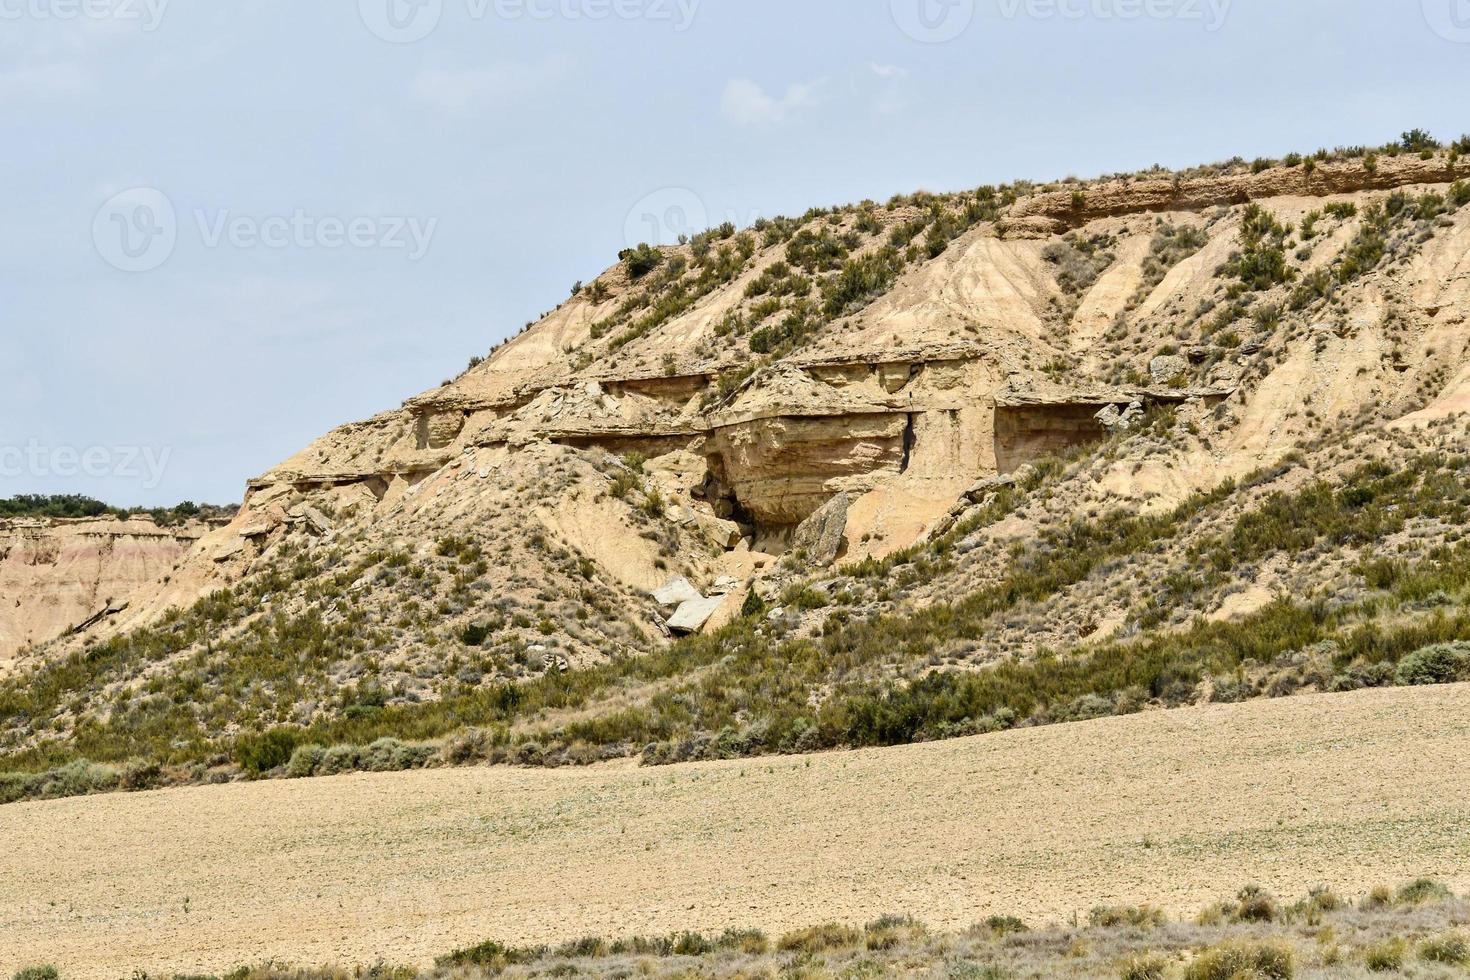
(1303, 942)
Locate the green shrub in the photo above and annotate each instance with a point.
(1170, 245)
(391, 755)
(139, 774)
(860, 281)
(305, 761)
(474, 635)
(339, 759)
(78, 778)
(1234, 960)
(1261, 262)
(1321, 899)
(1004, 925)
(259, 753)
(642, 260)
(37, 973)
(1444, 663)
(1080, 260)
(1452, 947)
(1416, 140)
(491, 956)
(1421, 892)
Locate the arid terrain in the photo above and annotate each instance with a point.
(1176, 809)
(1116, 530)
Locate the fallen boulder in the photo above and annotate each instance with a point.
(820, 535)
(692, 615)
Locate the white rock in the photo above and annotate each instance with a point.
(675, 592)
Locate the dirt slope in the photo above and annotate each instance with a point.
(1175, 808)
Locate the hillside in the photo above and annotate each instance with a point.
(1174, 809)
(876, 474)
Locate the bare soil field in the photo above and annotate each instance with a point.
(1177, 809)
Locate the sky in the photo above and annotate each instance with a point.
(230, 225)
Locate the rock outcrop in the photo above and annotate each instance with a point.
(60, 575)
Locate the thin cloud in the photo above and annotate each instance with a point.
(746, 103)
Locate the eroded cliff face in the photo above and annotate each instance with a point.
(888, 359)
(58, 575)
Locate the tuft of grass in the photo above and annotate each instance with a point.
(1147, 966)
(1255, 905)
(1387, 956)
(818, 939)
(1452, 947)
(1378, 897)
(1234, 960)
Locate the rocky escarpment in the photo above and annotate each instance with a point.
(958, 359)
(62, 575)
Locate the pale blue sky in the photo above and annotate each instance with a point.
(294, 146)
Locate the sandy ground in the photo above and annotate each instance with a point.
(1175, 808)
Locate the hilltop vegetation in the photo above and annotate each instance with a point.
(74, 506)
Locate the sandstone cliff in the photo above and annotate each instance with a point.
(58, 575)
